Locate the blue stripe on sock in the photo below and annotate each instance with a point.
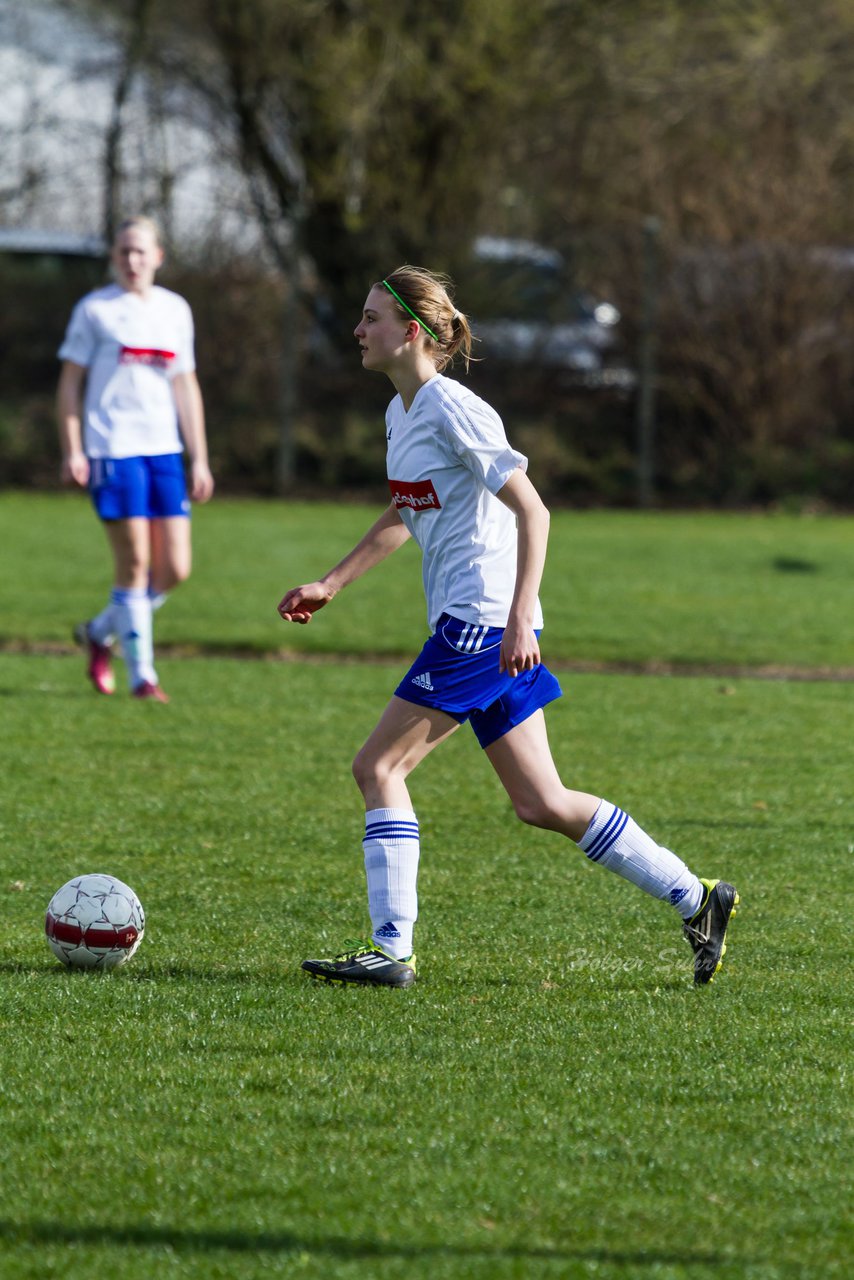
(392, 831)
(607, 841)
(610, 832)
(391, 822)
(604, 832)
(607, 838)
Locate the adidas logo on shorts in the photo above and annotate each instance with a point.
(423, 681)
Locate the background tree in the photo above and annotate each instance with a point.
(372, 131)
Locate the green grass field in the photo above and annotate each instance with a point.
(620, 587)
(553, 1098)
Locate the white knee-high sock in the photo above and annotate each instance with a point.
(615, 841)
(133, 625)
(392, 848)
(102, 627)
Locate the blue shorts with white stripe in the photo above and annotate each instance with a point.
(457, 672)
(123, 488)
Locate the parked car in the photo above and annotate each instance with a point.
(526, 312)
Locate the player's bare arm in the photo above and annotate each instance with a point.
(69, 400)
(191, 421)
(520, 650)
(384, 536)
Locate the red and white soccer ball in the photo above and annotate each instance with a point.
(94, 922)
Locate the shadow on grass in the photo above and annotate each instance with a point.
(617, 974)
(44, 690)
(288, 975)
(189, 1242)
(791, 564)
(169, 973)
(616, 977)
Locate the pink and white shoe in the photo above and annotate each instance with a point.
(149, 690)
(100, 669)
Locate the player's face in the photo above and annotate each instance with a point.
(381, 332)
(136, 257)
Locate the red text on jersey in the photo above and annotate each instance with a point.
(146, 355)
(418, 495)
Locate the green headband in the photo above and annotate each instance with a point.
(407, 307)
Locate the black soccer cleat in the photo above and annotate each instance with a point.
(706, 931)
(366, 964)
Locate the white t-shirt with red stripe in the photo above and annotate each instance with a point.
(447, 458)
(132, 347)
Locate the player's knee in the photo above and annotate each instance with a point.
(178, 569)
(165, 577)
(372, 771)
(364, 771)
(536, 811)
(132, 566)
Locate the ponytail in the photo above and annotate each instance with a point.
(427, 296)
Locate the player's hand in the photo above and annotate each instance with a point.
(75, 469)
(520, 649)
(301, 603)
(201, 482)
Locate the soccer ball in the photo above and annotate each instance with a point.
(94, 922)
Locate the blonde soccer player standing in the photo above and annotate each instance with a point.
(128, 404)
(462, 492)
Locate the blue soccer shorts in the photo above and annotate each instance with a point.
(154, 487)
(457, 672)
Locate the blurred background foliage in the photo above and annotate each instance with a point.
(371, 132)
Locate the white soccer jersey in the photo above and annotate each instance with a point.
(131, 347)
(447, 458)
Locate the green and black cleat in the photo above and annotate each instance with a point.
(706, 931)
(365, 964)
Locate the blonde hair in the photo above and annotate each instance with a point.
(144, 224)
(428, 295)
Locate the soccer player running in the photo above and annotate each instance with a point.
(462, 492)
(131, 345)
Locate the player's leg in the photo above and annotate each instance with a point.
(130, 543)
(163, 499)
(169, 508)
(121, 493)
(113, 488)
(171, 555)
(98, 635)
(523, 761)
(405, 734)
(126, 615)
